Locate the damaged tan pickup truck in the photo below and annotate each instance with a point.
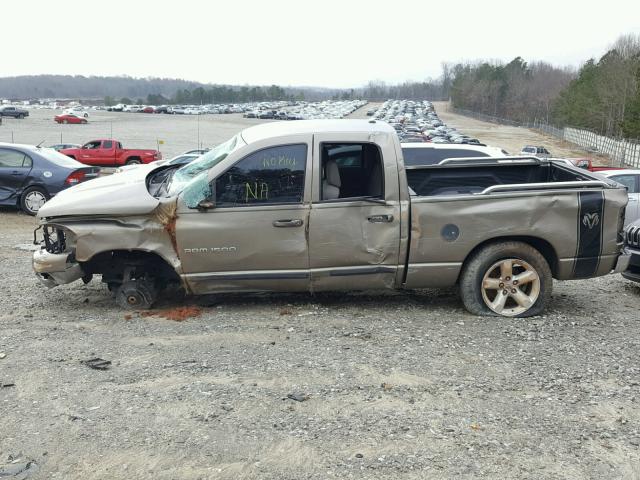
(330, 205)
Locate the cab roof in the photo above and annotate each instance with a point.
(295, 127)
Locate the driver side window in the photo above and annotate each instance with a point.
(273, 175)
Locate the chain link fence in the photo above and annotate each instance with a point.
(622, 152)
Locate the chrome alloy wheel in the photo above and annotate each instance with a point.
(510, 287)
(34, 200)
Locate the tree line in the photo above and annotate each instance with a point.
(211, 95)
(603, 95)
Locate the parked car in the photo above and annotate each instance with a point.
(630, 178)
(148, 109)
(535, 150)
(15, 112)
(78, 112)
(61, 146)
(632, 245)
(501, 231)
(68, 118)
(29, 176)
(182, 159)
(421, 154)
(109, 153)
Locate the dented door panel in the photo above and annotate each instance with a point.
(355, 244)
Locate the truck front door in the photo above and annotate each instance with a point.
(354, 227)
(254, 238)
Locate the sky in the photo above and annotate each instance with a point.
(326, 43)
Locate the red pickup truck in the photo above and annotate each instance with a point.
(109, 153)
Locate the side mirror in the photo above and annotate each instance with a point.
(204, 205)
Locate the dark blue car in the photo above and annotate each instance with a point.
(29, 176)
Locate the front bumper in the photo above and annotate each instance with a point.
(632, 272)
(53, 269)
(623, 261)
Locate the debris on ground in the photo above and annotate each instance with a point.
(177, 314)
(3, 355)
(299, 397)
(128, 316)
(7, 384)
(18, 469)
(285, 311)
(386, 387)
(97, 363)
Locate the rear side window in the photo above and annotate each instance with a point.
(107, 144)
(431, 156)
(270, 176)
(13, 159)
(628, 181)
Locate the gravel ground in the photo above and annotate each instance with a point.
(400, 386)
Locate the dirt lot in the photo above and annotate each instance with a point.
(395, 386)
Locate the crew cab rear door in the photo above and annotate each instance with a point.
(255, 237)
(106, 154)
(354, 225)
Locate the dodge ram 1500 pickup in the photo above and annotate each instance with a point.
(330, 205)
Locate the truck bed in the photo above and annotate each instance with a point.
(568, 214)
(459, 179)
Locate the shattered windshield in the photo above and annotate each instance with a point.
(196, 172)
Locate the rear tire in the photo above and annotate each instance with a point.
(32, 199)
(65, 121)
(510, 279)
(137, 294)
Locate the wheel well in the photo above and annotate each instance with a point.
(133, 157)
(544, 247)
(113, 264)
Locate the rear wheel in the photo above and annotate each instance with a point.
(65, 121)
(32, 199)
(510, 279)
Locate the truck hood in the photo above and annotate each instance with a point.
(118, 194)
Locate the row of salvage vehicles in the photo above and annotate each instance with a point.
(329, 205)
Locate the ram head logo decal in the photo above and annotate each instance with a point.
(591, 220)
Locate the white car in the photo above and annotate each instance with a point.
(77, 112)
(630, 178)
(432, 153)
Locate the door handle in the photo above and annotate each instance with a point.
(288, 223)
(16, 173)
(380, 218)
